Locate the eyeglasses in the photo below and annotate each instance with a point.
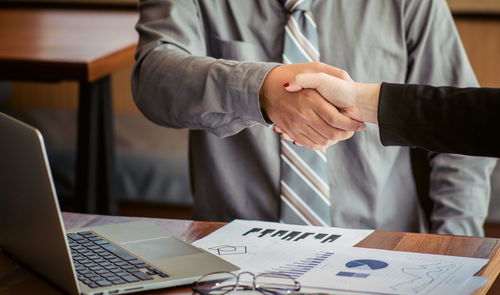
(219, 283)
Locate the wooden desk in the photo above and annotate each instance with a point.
(15, 279)
(82, 45)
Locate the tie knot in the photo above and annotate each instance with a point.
(292, 6)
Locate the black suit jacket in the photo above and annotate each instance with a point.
(441, 119)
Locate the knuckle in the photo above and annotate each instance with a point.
(300, 117)
(349, 134)
(317, 66)
(331, 118)
(333, 134)
(307, 94)
(345, 135)
(304, 114)
(321, 141)
(325, 146)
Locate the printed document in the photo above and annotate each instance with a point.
(243, 240)
(323, 259)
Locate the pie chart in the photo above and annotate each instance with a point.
(366, 264)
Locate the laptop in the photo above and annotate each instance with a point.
(109, 259)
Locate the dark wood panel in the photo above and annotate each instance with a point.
(481, 39)
(65, 44)
(475, 6)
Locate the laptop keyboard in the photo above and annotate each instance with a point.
(99, 263)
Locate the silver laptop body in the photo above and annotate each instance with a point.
(31, 227)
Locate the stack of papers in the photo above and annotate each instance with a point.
(323, 259)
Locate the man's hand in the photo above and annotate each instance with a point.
(305, 115)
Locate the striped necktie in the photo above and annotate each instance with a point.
(305, 195)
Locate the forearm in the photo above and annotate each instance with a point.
(179, 90)
(176, 83)
(443, 119)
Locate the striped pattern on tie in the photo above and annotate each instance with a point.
(305, 195)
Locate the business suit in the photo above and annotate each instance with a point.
(200, 65)
(442, 119)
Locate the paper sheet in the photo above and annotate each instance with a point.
(242, 240)
(386, 272)
(471, 285)
(323, 259)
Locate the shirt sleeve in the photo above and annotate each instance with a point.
(441, 119)
(175, 83)
(459, 186)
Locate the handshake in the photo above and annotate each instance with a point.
(316, 105)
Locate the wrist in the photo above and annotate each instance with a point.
(367, 96)
(271, 86)
(263, 99)
(263, 104)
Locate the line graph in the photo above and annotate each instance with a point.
(422, 276)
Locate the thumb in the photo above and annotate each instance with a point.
(337, 91)
(292, 87)
(336, 72)
(302, 81)
(312, 80)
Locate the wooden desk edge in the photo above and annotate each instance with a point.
(90, 71)
(119, 59)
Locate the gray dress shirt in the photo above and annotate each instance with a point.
(200, 65)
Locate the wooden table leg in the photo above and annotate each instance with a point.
(95, 168)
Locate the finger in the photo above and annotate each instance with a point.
(304, 135)
(330, 132)
(335, 135)
(278, 129)
(293, 87)
(316, 134)
(323, 138)
(311, 80)
(334, 118)
(285, 136)
(336, 72)
(344, 75)
(305, 141)
(321, 121)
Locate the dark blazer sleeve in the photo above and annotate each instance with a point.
(441, 119)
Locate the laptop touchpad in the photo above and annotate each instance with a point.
(160, 248)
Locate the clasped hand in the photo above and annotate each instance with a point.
(315, 118)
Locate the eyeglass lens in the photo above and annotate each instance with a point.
(267, 283)
(275, 283)
(216, 283)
